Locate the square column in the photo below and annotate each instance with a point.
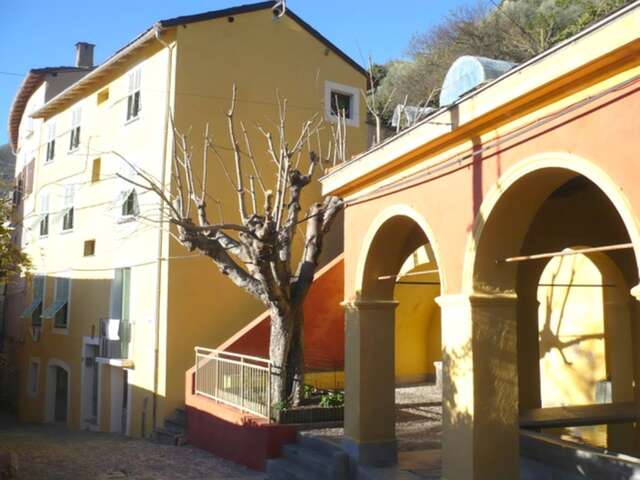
(480, 387)
(369, 411)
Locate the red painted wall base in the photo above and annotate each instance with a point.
(231, 434)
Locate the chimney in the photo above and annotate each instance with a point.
(84, 54)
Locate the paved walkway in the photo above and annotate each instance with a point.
(49, 452)
(418, 431)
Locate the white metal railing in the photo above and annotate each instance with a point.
(241, 381)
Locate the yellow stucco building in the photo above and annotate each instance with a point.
(115, 306)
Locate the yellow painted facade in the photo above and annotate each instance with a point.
(177, 300)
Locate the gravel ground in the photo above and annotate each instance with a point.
(54, 453)
(418, 419)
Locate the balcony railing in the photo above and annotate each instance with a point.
(241, 381)
(114, 338)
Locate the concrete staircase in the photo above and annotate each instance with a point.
(310, 459)
(174, 429)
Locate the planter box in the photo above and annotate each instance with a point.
(308, 415)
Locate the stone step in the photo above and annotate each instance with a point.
(308, 459)
(176, 427)
(320, 445)
(166, 437)
(282, 469)
(178, 417)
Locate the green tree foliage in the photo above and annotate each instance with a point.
(12, 260)
(513, 30)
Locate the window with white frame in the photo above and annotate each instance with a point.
(44, 214)
(33, 312)
(59, 310)
(342, 101)
(67, 218)
(51, 142)
(29, 125)
(33, 377)
(74, 139)
(130, 203)
(133, 94)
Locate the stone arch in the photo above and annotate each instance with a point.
(402, 222)
(395, 234)
(547, 171)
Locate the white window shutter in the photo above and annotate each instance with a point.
(115, 308)
(44, 203)
(62, 289)
(38, 287)
(69, 195)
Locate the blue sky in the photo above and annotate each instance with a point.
(42, 33)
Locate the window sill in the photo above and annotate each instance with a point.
(66, 232)
(116, 362)
(126, 219)
(350, 122)
(47, 162)
(43, 237)
(74, 149)
(60, 330)
(132, 120)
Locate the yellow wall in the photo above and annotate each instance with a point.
(261, 56)
(197, 306)
(104, 130)
(417, 334)
(571, 328)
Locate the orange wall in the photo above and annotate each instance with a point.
(323, 324)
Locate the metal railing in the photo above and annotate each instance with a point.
(241, 381)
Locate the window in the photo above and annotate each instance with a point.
(89, 248)
(51, 142)
(44, 214)
(74, 139)
(34, 311)
(95, 170)
(103, 96)
(133, 99)
(28, 180)
(17, 191)
(67, 219)
(119, 306)
(342, 100)
(341, 104)
(130, 204)
(59, 311)
(34, 374)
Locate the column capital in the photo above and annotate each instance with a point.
(369, 304)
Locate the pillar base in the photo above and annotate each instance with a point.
(376, 454)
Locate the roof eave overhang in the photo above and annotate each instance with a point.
(29, 85)
(396, 151)
(67, 96)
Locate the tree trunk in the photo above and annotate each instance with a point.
(286, 355)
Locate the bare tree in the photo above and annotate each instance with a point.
(377, 108)
(255, 253)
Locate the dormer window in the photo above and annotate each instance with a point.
(74, 139)
(133, 98)
(51, 142)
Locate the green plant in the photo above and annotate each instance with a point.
(332, 399)
(308, 391)
(281, 406)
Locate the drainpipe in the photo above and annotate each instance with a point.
(156, 354)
